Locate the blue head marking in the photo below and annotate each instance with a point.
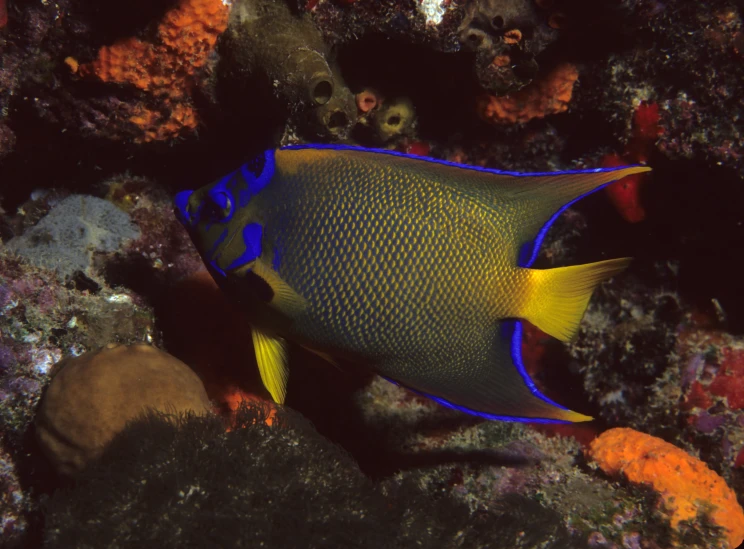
(227, 195)
(207, 213)
(257, 173)
(218, 205)
(252, 234)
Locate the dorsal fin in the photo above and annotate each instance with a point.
(543, 197)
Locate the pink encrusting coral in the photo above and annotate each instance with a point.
(713, 383)
(729, 381)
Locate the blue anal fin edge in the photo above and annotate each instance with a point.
(511, 331)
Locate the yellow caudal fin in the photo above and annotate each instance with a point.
(560, 295)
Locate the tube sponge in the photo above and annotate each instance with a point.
(395, 118)
(267, 46)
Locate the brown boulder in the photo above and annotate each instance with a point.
(93, 396)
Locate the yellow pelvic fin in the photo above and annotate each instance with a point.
(271, 356)
(560, 296)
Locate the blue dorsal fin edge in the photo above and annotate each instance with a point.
(431, 160)
(529, 251)
(511, 330)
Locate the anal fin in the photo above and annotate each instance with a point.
(271, 356)
(489, 381)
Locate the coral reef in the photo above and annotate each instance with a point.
(285, 470)
(711, 383)
(431, 22)
(43, 320)
(394, 118)
(92, 397)
(382, 121)
(651, 361)
(506, 36)
(138, 102)
(483, 463)
(696, 88)
(163, 253)
(687, 486)
(626, 343)
(13, 501)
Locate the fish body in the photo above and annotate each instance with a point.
(416, 269)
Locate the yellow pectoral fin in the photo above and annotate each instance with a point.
(285, 298)
(271, 356)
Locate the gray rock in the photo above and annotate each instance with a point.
(65, 239)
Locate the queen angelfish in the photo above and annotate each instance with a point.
(417, 269)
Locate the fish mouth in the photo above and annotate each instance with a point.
(181, 208)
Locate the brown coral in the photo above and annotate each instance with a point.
(686, 485)
(167, 68)
(550, 94)
(93, 396)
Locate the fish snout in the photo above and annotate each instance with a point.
(181, 208)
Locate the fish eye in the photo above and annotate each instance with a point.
(219, 206)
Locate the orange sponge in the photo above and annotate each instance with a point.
(167, 67)
(550, 94)
(686, 485)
